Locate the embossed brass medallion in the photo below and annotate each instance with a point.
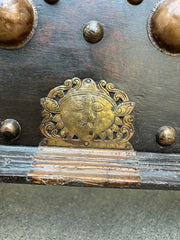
(83, 114)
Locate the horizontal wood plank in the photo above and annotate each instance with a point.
(86, 167)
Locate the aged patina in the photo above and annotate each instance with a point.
(164, 26)
(93, 32)
(166, 136)
(81, 113)
(18, 19)
(10, 129)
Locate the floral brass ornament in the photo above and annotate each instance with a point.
(86, 114)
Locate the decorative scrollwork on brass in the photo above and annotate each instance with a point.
(81, 113)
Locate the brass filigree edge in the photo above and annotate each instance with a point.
(86, 114)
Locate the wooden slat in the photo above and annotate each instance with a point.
(85, 167)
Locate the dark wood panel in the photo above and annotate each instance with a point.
(125, 57)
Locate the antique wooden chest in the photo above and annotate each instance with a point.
(90, 92)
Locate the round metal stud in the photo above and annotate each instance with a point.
(166, 136)
(51, 1)
(135, 2)
(10, 129)
(18, 21)
(93, 32)
(164, 27)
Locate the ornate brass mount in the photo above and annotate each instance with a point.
(83, 114)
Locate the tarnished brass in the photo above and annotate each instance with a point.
(164, 27)
(93, 32)
(51, 1)
(10, 129)
(166, 136)
(135, 2)
(81, 113)
(18, 19)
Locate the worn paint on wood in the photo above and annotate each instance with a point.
(93, 167)
(85, 167)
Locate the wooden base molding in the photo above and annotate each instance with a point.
(89, 167)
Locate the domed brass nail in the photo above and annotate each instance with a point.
(51, 1)
(166, 136)
(93, 32)
(10, 129)
(134, 2)
(164, 27)
(18, 19)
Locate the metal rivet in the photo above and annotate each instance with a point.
(135, 2)
(88, 80)
(166, 136)
(86, 143)
(10, 129)
(51, 1)
(163, 27)
(93, 32)
(18, 21)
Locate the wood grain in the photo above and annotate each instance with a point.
(125, 56)
(91, 167)
(85, 167)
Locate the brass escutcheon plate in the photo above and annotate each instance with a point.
(86, 114)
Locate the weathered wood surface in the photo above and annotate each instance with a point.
(89, 168)
(125, 57)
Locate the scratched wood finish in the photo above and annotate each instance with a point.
(125, 57)
(143, 170)
(91, 167)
